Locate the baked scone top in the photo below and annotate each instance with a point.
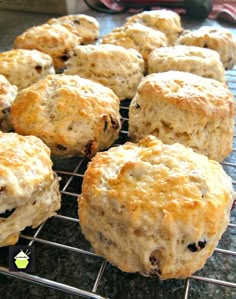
(25, 165)
(23, 67)
(55, 40)
(218, 39)
(84, 26)
(189, 92)
(69, 113)
(155, 208)
(137, 36)
(164, 20)
(114, 66)
(136, 172)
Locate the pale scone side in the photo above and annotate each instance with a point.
(154, 208)
(24, 67)
(182, 107)
(28, 186)
(195, 60)
(114, 66)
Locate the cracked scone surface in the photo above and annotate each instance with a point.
(219, 39)
(114, 66)
(29, 189)
(55, 40)
(186, 108)
(196, 60)
(24, 67)
(164, 20)
(72, 115)
(137, 36)
(85, 27)
(154, 208)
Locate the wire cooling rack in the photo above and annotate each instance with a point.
(66, 264)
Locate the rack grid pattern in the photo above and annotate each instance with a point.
(91, 281)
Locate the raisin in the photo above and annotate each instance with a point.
(192, 247)
(61, 147)
(7, 214)
(114, 122)
(103, 239)
(65, 57)
(2, 189)
(197, 247)
(234, 204)
(6, 110)
(38, 69)
(76, 22)
(105, 118)
(153, 261)
(90, 148)
(202, 244)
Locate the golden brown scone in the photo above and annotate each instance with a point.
(154, 208)
(167, 21)
(218, 39)
(55, 40)
(72, 115)
(186, 108)
(85, 27)
(113, 66)
(8, 94)
(29, 189)
(23, 67)
(137, 36)
(196, 60)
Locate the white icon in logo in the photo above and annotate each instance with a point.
(22, 259)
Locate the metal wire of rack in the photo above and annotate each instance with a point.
(96, 273)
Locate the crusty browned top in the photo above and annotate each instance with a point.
(134, 181)
(189, 92)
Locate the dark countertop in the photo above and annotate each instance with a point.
(70, 267)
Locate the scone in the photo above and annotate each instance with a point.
(29, 189)
(186, 108)
(218, 39)
(55, 40)
(196, 60)
(164, 20)
(154, 208)
(85, 27)
(7, 96)
(24, 67)
(72, 115)
(137, 36)
(114, 66)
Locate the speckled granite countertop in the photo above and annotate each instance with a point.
(69, 266)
